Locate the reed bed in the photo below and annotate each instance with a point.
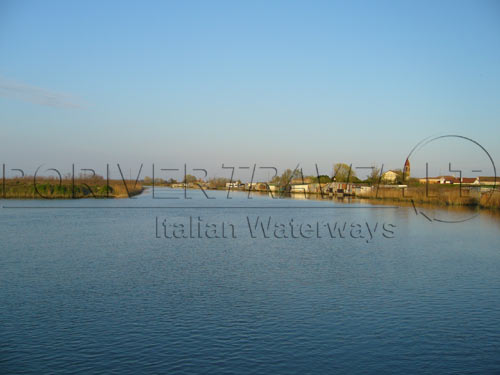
(490, 199)
(52, 188)
(438, 195)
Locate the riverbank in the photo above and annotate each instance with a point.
(438, 196)
(79, 188)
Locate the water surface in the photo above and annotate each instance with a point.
(86, 286)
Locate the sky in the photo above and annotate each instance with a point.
(270, 83)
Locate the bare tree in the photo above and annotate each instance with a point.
(343, 172)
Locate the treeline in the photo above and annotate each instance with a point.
(341, 172)
(213, 183)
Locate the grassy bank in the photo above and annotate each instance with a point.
(51, 188)
(438, 195)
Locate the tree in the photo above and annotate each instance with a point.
(275, 180)
(188, 179)
(343, 172)
(218, 182)
(159, 181)
(297, 173)
(286, 177)
(321, 178)
(355, 179)
(399, 177)
(374, 176)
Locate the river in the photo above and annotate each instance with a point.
(244, 285)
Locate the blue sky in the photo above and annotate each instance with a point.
(266, 82)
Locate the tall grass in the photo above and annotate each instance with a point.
(52, 188)
(439, 195)
(490, 199)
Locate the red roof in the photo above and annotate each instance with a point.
(468, 180)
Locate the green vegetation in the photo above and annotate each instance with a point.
(344, 173)
(148, 181)
(286, 177)
(189, 179)
(82, 187)
(218, 182)
(323, 179)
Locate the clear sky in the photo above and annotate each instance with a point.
(266, 82)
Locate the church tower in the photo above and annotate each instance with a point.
(406, 170)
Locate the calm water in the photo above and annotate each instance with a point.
(93, 290)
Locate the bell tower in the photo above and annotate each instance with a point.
(406, 170)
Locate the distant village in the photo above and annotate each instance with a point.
(343, 182)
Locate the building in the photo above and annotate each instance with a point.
(470, 180)
(485, 180)
(234, 185)
(406, 170)
(260, 186)
(431, 180)
(299, 188)
(450, 180)
(301, 181)
(252, 185)
(390, 176)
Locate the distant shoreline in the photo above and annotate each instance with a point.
(437, 196)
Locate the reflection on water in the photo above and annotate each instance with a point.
(435, 211)
(93, 290)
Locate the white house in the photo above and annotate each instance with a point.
(233, 185)
(299, 188)
(390, 176)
